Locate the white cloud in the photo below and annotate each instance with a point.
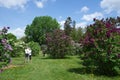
(18, 32)
(84, 9)
(62, 24)
(21, 3)
(81, 24)
(60, 17)
(40, 3)
(13, 3)
(111, 5)
(90, 17)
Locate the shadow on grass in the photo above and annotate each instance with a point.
(84, 70)
(80, 70)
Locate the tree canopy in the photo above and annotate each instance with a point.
(40, 26)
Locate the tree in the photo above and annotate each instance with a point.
(11, 36)
(40, 26)
(24, 38)
(67, 26)
(76, 34)
(58, 44)
(101, 46)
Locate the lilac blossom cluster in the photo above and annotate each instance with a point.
(4, 40)
(101, 44)
(4, 47)
(58, 43)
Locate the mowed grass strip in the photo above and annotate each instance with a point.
(42, 68)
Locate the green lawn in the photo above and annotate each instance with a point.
(49, 69)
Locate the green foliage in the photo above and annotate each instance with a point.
(11, 37)
(24, 39)
(59, 44)
(101, 46)
(12, 41)
(67, 26)
(76, 34)
(39, 27)
(35, 48)
(5, 48)
(18, 47)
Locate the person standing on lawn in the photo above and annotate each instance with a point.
(30, 53)
(26, 55)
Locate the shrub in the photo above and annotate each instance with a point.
(101, 46)
(18, 47)
(35, 48)
(5, 48)
(58, 44)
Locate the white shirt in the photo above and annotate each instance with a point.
(28, 51)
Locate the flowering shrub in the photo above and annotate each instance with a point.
(58, 44)
(4, 47)
(18, 47)
(101, 46)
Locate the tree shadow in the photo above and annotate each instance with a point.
(84, 70)
(80, 70)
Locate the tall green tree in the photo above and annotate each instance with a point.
(76, 34)
(40, 26)
(67, 26)
(11, 36)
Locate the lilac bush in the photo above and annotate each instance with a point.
(101, 46)
(58, 43)
(5, 48)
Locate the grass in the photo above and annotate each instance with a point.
(42, 68)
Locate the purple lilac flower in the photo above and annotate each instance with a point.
(4, 41)
(64, 36)
(108, 25)
(118, 30)
(92, 40)
(118, 55)
(8, 47)
(108, 34)
(1, 70)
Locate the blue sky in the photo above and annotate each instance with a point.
(18, 13)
